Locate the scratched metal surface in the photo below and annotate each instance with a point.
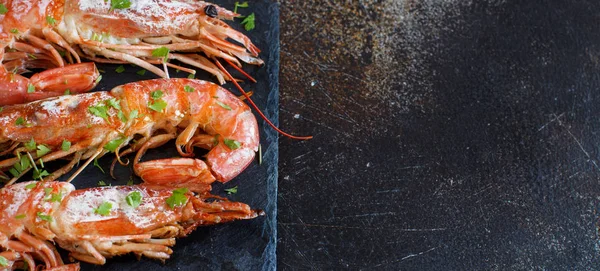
(240, 245)
(449, 135)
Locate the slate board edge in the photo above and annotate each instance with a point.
(273, 115)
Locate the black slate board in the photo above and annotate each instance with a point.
(241, 245)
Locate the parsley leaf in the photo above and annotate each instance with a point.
(50, 20)
(42, 150)
(133, 114)
(178, 198)
(98, 165)
(134, 199)
(188, 89)
(114, 103)
(120, 69)
(102, 183)
(191, 76)
(3, 9)
(158, 105)
(248, 22)
(30, 88)
(224, 105)
(66, 145)
(30, 145)
(37, 174)
(103, 209)
(31, 185)
(20, 216)
(238, 5)
(157, 94)
(99, 111)
(114, 144)
(232, 144)
(232, 190)
(120, 4)
(141, 72)
(44, 217)
(3, 261)
(20, 121)
(161, 52)
(67, 92)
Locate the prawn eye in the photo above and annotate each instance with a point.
(211, 11)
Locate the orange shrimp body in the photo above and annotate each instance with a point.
(146, 114)
(98, 223)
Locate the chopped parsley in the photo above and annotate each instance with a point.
(3, 9)
(30, 145)
(157, 94)
(248, 22)
(31, 185)
(232, 144)
(141, 72)
(37, 174)
(44, 217)
(30, 88)
(98, 79)
(42, 150)
(48, 190)
(114, 144)
(14, 31)
(66, 145)
(114, 103)
(20, 121)
(224, 105)
(239, 5)
(103, 209)
(232, 190)
(56, 197)
(130, 182)
(191, 76)
(20, 216)
(188, 89)
(50, 20)
(120, 4)
(67, 92)
(133, 114)
(158, 105)
(134, 199)
(99, 111)
(102, 183)
(120, 69)
(178, 198)
(20, 166)
(3, 261)
(98, 166)
(161, 52)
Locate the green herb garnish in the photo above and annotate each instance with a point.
(134, 199)
(103, 209)
(120, 69)
(44, 217)
(98, 166)
(232, 144)
(161, 52)
(188, 89)
(3, 9)
(30, 88)
(21, 216)
(239, 5)
(157, 94)
(158, 105)
(178, 198)
(248, 22)
(232, 190)
(66, 145)
(114, 144)
(50, 20)
(99, 111)
(224, 105)
(141, 72)
(42, 150)
(31, 185)
(120, 4)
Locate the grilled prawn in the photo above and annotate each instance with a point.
(98, 223)
(131, 119)
(54, 34)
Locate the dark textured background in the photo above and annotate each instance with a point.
(449, 135)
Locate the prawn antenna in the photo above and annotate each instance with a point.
(256, 107)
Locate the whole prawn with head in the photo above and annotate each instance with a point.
(37, 34)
